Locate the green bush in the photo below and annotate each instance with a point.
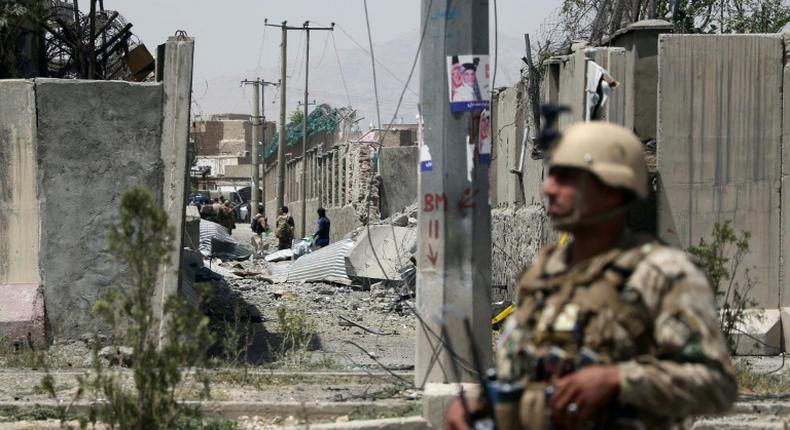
(720, 259)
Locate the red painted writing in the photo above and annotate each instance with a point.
(468, 199)
(432, 256)
(434, 202)
(433, 229)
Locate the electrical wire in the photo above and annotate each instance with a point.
(297, 63)
(323, 52)
(340, 67)
(260, 50)
(373, 64)
(383, 66)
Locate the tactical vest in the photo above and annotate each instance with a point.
(587, 314)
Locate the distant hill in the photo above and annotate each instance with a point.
(223, 94)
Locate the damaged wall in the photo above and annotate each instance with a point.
(519, 226)
(398, 178)
(91, 149)
(68, 150)
(338, 179)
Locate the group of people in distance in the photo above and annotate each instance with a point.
(284, 228)
(219, 211)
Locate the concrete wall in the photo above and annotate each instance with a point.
(91, 149)
(640, 41)
(517, 234)
(338, 178)
(519, 226)
(719, 145)
(19, 211)
(68, 150)
(398, 178)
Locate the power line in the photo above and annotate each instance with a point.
(323, 52)
(297, 63)
(383, 66)
(340, 66)
(373, 64)
(260, 50)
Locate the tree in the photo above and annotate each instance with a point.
(295, 117)
(597, 20)
(18, 21)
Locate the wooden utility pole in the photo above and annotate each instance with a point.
(281, 143)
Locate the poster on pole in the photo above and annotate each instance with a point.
(484, 140)
(426, 163)
(468, 80)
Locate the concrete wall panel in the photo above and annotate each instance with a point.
(96, 141)
(784, 291)
(517, 234)
(616, 106)
(398, 178)
(19, 214)
(719, 134)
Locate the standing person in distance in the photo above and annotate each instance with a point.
(321, 235)
(284, 229)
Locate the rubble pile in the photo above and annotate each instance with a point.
(353, 289)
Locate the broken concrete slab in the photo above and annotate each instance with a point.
(22, 314)
(760, 332)
(381, 251)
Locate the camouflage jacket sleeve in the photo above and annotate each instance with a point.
(691, 372)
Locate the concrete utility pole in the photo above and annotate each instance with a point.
(281, 141)
(454, 251)
(258, 135)
(256, 117)
(281, 146)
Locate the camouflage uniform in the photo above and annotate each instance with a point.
(641, 306)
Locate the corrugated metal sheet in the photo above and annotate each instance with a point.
(208, 230)
(330, 261)
(216, 242)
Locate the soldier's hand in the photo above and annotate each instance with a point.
(579, 395)
(455, 418)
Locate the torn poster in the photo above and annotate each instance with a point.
(468, 82)
(484, 141)
(426, 163)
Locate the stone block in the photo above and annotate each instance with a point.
(760, 333)
(22, 314)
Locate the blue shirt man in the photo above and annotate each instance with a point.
(322, 229)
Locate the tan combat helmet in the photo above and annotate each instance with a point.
(611, 153)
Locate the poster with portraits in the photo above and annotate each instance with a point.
(468, 80)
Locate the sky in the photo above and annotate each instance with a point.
(232, 43)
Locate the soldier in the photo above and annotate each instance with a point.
(612, 330)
